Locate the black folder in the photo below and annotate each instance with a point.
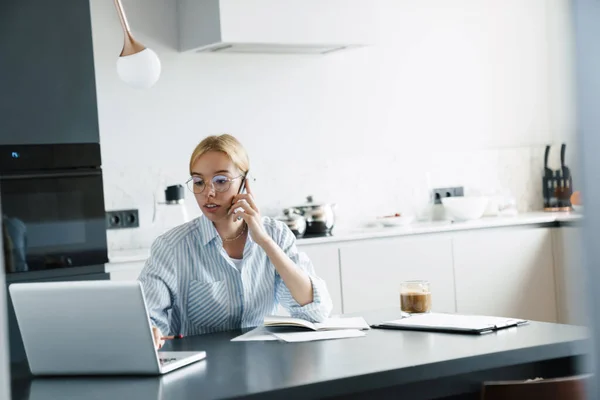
(451, 323)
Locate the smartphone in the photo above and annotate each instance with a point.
(242, 190)
(243, 185)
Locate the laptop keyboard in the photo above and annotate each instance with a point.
(166, 361)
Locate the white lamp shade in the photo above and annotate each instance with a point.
(140, 70)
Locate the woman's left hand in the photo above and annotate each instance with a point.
(244, 206)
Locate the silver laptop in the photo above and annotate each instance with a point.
(90, 328)
(162, 387)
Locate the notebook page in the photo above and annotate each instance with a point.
(322, 335)
(277, 320)
(343, 323)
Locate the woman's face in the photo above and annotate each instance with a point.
(211, 172)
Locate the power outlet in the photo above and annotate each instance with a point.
(438, 194)
(121, 219)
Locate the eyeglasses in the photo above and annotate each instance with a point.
(220, 183)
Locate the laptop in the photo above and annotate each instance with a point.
(161, 387)
(90, 328)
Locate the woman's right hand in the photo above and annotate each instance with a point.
(158, 341)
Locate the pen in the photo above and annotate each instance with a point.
(172, 337)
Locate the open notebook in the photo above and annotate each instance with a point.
(454, 323)
(276, 321)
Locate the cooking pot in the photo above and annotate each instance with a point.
(294, 221)
(320, 217)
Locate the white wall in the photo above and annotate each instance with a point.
(468, 90)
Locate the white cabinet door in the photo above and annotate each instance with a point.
(125, 271)
(325, 259)
(570, 289)
(506, 273)
(372, 270)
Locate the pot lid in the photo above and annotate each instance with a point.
(312, 204)
(290, 215)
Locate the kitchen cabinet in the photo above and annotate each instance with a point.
(48, 78)
(325, 259)
(568, 268)
(519, 271)
(372, 270)
(506, 273)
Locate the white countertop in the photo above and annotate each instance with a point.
(533, 218)
(445, 226)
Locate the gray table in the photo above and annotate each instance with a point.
(384, 363)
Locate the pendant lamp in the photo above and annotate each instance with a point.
(137, 65)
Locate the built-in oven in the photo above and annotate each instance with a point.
(53, 213)
(53, 219)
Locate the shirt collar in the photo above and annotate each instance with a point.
(208, 232)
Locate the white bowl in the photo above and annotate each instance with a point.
(392, 222)
(465, 208)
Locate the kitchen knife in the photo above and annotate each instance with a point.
(565, 170)
(547, 171)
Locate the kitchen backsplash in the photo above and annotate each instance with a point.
(362, 186)
(438, 96)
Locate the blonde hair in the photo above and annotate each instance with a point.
(225, 144)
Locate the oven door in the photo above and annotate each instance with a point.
(53, 220)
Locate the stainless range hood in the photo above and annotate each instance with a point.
(274, 26)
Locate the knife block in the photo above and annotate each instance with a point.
(557, 191)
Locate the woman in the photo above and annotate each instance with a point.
(230, 267)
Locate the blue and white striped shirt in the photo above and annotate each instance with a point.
(192, 287)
